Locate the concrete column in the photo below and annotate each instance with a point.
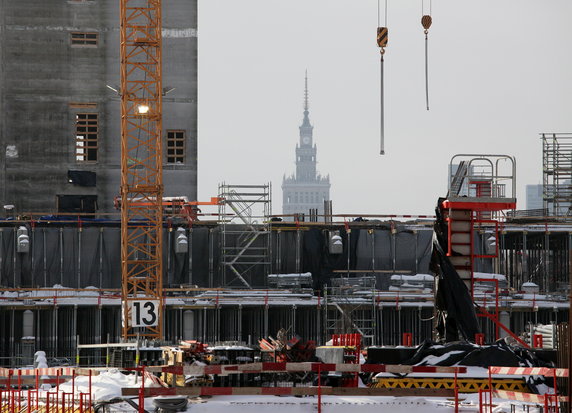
(298, 252)
(28, 324)
(372, 235)
(504, 318)
(79, 257)
(61, 241)
(45, 257)
(190, 252)
(524, 261)
(548, 284)
(211, 260)
(416, 233)
(189, 332)
(293, 320)
(101, 259)
(279, 252)
(239, 319)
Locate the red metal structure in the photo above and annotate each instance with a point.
(352, 351)
(479, 188)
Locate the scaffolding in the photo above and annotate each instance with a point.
(350, 307)
(557, 173)
(245, 240)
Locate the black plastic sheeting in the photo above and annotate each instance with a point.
(468, 354)
(453, 299)
(77, 257)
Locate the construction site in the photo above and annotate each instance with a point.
(120, 291)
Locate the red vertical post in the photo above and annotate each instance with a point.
(10, 373)
(19, 379)
(490, 391)
(472, 242)
(407, 339)
(320, 388)
(497, 329)
(142, 391)
(456, 393)
(73, 389)
(90, 394)
(58, 380)
(555, 390)
(37, 379)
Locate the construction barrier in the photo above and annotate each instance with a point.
(549, 401)
(526, 397)
(529, 371)
(194, 370)
(464, 385)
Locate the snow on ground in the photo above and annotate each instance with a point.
(344, 404)
(330, 404)
(108, 385)
(104, 386)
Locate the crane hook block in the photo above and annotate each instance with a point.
(426, 21)
(382, 37)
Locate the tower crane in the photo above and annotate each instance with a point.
(141, 169)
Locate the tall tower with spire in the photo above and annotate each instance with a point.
(305, 189)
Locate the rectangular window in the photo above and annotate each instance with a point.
(86, 144)
(84, 39)
(175, 146)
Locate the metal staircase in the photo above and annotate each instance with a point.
(349, 310)
(245, 233)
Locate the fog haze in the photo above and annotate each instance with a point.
(500, 73)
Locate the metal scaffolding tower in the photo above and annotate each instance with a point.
(141, 169)
(350, 307)
(557, 173)
(245, 232)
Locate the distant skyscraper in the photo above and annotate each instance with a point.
(305, 189)
(534, 197)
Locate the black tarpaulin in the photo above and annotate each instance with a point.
(453, 299)
(77, 203)
(468, 354)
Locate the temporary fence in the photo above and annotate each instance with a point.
(550, 401)
(18, 397)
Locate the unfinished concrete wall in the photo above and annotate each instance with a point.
(45, 81)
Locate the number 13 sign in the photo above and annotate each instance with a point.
(144, 313)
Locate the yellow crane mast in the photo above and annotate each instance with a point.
(141, 169)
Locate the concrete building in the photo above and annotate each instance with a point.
(305, 189)
(534, 197)
(60, 104)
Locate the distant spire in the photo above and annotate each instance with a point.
(306, 106)
(306, 121)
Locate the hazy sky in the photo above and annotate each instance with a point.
(500, 74)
